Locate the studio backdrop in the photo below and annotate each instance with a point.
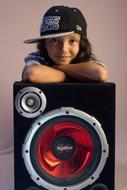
(64, 136)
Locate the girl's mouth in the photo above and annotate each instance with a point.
(63, 57)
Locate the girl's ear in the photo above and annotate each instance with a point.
(44, 44)
(41, 46)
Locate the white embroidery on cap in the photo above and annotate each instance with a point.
(50, 23)
(78, 28)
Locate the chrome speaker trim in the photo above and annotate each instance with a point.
(30, 102)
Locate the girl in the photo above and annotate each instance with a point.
(64, 53)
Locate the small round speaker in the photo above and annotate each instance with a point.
(30, 102)
(65, 149)
(99, 186)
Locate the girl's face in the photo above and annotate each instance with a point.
(62, 50)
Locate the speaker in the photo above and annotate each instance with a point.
(64, 136)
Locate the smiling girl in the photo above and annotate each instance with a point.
(64, 53)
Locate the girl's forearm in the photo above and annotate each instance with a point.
(85, 71)
(43, 74)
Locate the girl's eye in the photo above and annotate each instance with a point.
(54, 41)
(73, 41)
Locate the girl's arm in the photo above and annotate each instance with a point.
(87, 71)
(43, 74)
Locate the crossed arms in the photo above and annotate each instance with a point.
(86, 71)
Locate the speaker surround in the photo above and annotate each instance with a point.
(70, 143)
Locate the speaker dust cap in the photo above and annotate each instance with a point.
(30, 102)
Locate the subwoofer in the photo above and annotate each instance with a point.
(64, 136)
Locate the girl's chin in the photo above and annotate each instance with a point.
(63, 63)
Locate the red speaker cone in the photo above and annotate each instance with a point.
(79, 150)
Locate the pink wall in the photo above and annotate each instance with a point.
(107, 30)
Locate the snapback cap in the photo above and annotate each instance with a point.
(60, 21)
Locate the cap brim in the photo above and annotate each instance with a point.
(36, 40)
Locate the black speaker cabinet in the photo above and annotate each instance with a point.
(64, 136)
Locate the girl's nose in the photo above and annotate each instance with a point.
(63, 47)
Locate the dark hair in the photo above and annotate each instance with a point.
(85, 50)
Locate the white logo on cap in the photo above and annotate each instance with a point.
(78, 28)
(50, 23)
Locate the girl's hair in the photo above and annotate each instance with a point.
(85, 50)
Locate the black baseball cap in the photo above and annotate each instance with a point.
(60, 21)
